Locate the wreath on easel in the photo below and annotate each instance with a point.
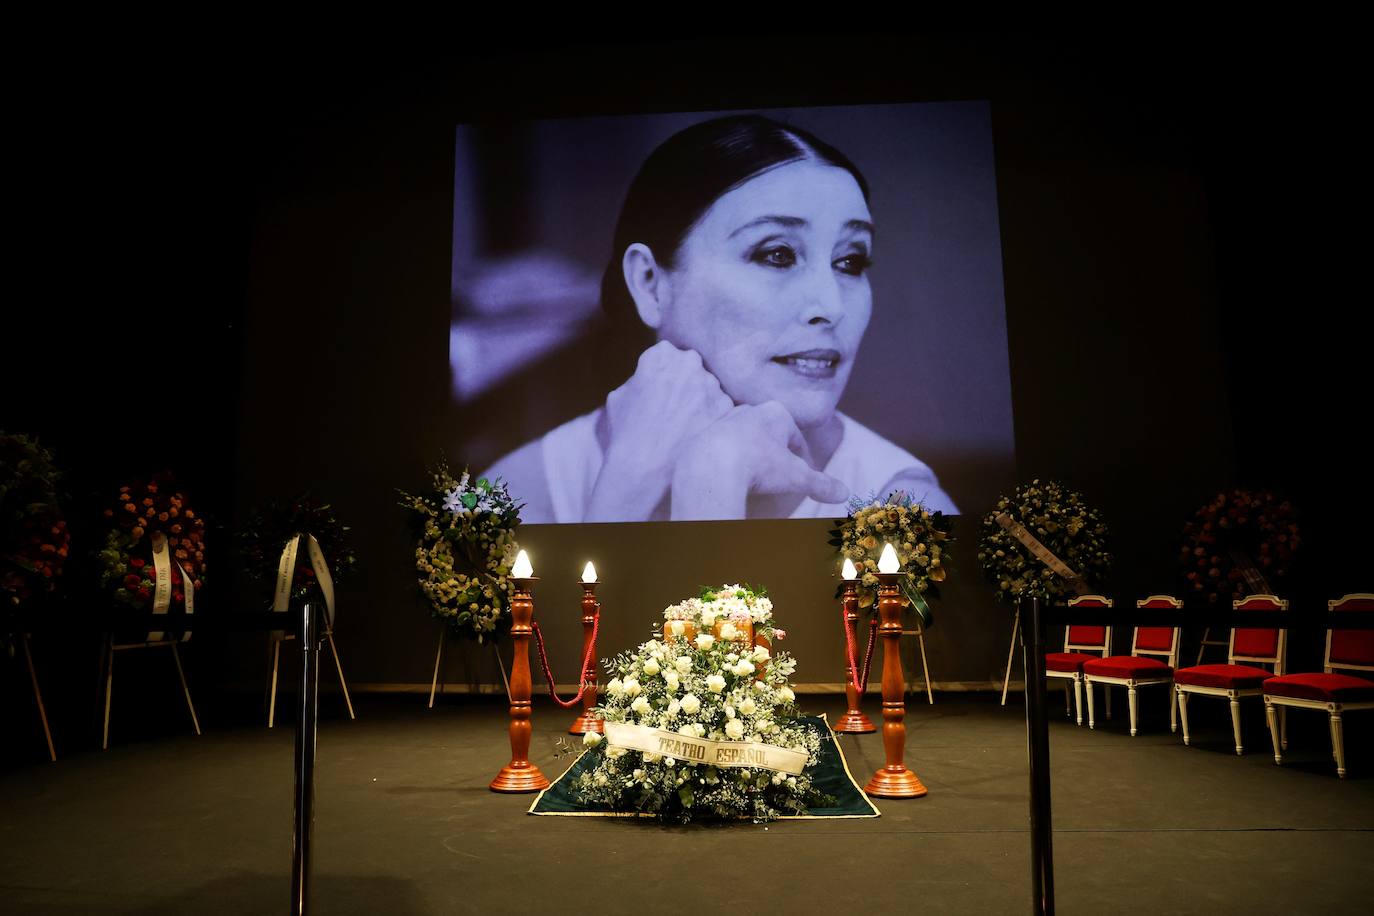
(270, 528)
(1241, 542)
(465, 550)
(152, 518)
(34, 540)
(1058, 520)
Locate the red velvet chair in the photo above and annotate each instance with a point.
(1154, 654)
(1232, 680)
(1350, 650)
(1079, 643)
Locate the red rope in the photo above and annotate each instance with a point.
(586, 664)
(860, 685)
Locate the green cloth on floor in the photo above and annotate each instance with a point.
(830, 775)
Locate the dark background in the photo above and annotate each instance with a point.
(233, 262)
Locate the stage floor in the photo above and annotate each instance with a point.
(405, 823)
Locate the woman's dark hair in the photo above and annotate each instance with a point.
(688, 172)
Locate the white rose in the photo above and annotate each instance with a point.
(761, 653)
(651, 667)
(599, 778)
(728, 631)
(641, 705)
(686, 729)
(708, 618)
(670, 678)
(747, 706)
(786, 694)
(638, 775)
(715, 683)
(591, 739)
(760, 687)
(743, 667)
(676, 627)
(614, 752)
(683, 664)
(734, 729)
(651, 757)
(691, 705)
(729, 712)
(673, 707)
(705, 641)
(631, 687)
(699, 728)
(615, 688)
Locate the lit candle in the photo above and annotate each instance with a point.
(523, 569)
(589, 574)
(887, 563)
(848, 571)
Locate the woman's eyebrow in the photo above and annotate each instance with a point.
(862, 225)
(788, 221)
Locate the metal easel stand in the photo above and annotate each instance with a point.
(328, 635)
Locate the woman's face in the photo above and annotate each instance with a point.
(771, 288)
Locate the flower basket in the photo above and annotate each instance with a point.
(722, 691)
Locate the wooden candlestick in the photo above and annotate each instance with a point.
(520, 775)
(853, 722)
(586, 722)
(894, 780)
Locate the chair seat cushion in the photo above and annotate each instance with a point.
(1230, 677)
(1067, 661)
(1328, 688)
(1127, 666)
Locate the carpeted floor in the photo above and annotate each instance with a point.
(405, 823)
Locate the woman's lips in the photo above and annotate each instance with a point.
(817, 364)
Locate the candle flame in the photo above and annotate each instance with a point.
(523, 569)
(887, 563)
(589, 574)
(848, 571)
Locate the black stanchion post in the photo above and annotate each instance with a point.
(1038, 742)
(305, 764)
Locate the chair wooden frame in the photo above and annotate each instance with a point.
(1132, 683)
(1275, 707)
(1234, 694)
(1076, 677)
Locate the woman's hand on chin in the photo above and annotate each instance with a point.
(649, 421)
(751, 450)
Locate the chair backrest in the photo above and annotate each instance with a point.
(1250, 644)
(1351, 649)
(1093, 638)
(1161, 641)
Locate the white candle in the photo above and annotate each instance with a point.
(848, 571)
(887, 563)
(523, 569)
(589, 574)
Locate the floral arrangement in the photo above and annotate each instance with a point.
(1058, 518)
(918, 535)
(709, 676)
(1237, 529)
(265, 535)
(34, 540)
(145, 508)
(466, 549)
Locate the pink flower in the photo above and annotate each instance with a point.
(779, 635)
